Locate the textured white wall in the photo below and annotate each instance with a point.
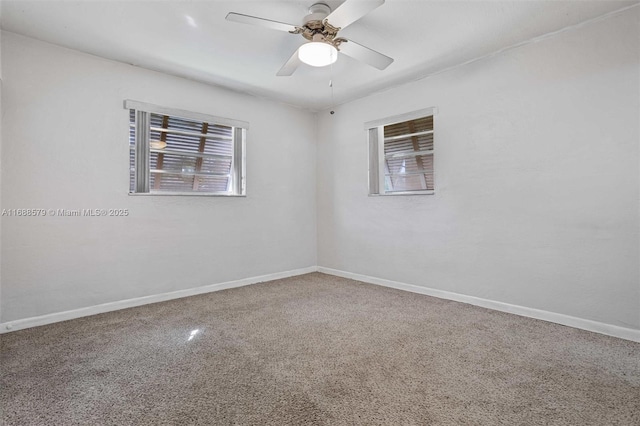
(537, 184)
(65, 145)
(537, 172)
(1, 114)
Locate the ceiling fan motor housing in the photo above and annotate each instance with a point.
(316, 28)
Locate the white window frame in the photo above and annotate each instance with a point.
(375, 141)
(237, 187)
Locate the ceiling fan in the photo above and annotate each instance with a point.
(321, 28)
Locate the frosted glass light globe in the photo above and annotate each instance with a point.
(317, 54)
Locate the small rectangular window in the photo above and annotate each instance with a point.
(401, 154)
(184, 153)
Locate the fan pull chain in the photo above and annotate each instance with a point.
(331, 86)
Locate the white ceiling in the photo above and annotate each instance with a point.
(192, 38)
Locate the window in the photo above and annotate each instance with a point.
(184, 153)
(401, 154)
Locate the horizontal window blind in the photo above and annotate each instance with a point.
(186, 155)
(404, 152)
(408, 150)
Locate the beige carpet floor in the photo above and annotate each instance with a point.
(316, 349)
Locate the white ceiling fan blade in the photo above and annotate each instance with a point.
(252, 20)
(366, 55)
(290, 66)
(352, 10)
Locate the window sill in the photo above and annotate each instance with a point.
(183, 194)
(403, 193)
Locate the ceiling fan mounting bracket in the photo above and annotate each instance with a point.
(320, 8)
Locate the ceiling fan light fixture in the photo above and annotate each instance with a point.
(318, 54)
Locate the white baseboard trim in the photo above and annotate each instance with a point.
(584, 324)
(21, 324)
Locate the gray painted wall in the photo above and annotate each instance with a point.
(65, 141)
(537, 183)
(536, 169)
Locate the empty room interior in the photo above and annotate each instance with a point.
(327, 212)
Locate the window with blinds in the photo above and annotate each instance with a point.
(401, 154)
(180, 152)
